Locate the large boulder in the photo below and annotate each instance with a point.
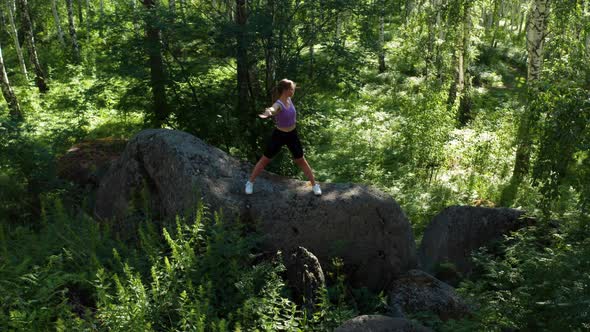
(457, 231)
(85, 162)
(417, 291)
(379, 323)
(361, 225)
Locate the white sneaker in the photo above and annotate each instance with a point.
(317, 190)
(249, 188)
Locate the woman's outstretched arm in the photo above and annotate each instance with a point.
(271, 111)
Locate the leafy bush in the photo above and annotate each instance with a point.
(537, 279)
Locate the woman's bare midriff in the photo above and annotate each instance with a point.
(286, 129)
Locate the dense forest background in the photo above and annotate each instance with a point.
(437, 102)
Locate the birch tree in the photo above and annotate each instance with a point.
(464, 81)
(242, 59)
(13, 31)
(60, 33)
(535, 37)
(27, 27)
(8, 93)
(72, 28)
(382, 38)
(269, 52)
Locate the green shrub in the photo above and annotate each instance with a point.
(538, 279)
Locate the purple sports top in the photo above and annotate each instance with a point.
(287, 116)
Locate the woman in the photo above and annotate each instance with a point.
(285, 133)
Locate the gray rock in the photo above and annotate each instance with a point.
(457, 231)
(378, 323)
(362, 225)
(417, 291)
(305, 275)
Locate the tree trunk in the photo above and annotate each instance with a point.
(242, 61)
(244, 102)
(521, 24)
(382, 41)
(73, 36)
(464, 82)
(60, 33)
(80, 13)
(312, 42)
(157, 75)
(230, 10)
(9, 96)
(19, 52)
(441, 36)
(536, 30)
(269, 53)
(27, 27)
(338, 26)
(493, 27)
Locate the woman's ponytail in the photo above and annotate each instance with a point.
(274, 94)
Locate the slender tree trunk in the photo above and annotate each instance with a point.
(453, 87)
(269, 53)
(80, 13)
(89, 16)
(230, 10)
(8, 93)
(441, 36)
(27, 27)
(60, 33)
(521, 24)
(73, 36)
(430, 44)
(493, 27)
(242, 60)
(464, 83)
(19, 52)
(382, 40)
(312, 42)
(536, 30)
(338, 26)
(461, 67)
(157, 75)
(244, 102)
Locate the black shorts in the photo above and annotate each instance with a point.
(280, 138)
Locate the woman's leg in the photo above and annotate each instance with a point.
(260, 165)
(302, 163)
